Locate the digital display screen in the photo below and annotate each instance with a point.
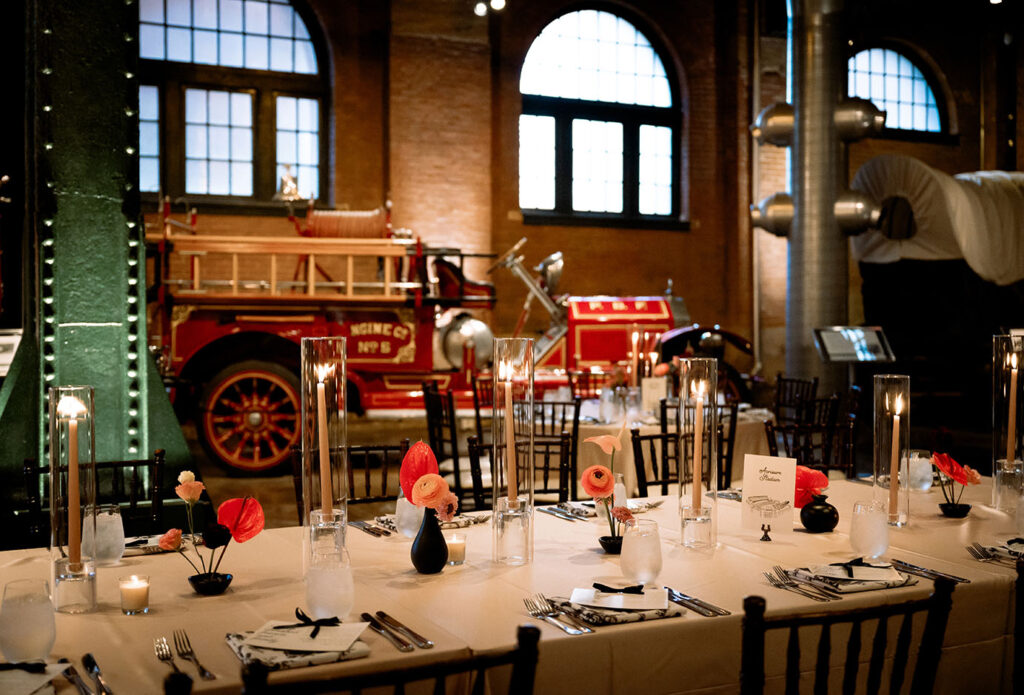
(853, 344)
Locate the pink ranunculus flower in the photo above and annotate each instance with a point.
(446, 512)
(170, 540)
(190, 491)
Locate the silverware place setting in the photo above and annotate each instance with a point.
(369, 528)
(163, 652)
(396, 639)
(785, 575)
(417, 639)
(699, 606)
(93, 669)
(183, 646)
(925, 572)
(792, 586)
(983, 554)
(545, 603)
(551, 616)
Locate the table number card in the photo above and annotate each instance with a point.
(769, 488)
(652, 390)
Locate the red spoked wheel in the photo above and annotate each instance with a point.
(250, 416)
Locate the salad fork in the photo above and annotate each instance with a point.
(163, 652)
(788, 578)
(545, 603)
(795, 588)
(537, 612)
(989, 555)
(983, 555)
(183, 645)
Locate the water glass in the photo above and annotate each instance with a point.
(696, 527)
(408, 516)
(27, 626)
(109, 535)
(869, 528)
(329, 588)
(641, 551)
(920, 466)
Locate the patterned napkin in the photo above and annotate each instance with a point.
(582, 509)
(460, 521)
(864, 577)
(609, 616)
(276, 659)
(1013, 548)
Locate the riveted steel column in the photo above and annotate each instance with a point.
(817, 280)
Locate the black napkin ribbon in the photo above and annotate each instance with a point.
(850, 564)
(306, 621)
(638, 589)
(30, 666)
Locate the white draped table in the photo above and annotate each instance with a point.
(477, 606)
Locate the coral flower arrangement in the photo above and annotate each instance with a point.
(422, 484)
(599, 483)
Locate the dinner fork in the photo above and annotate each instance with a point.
(183, 646)
(986, 553)
(788, 578)
(537, 612)
(982, 554)
(795, 588)
(163, 652)
(545, 603)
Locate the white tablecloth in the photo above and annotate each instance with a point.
(478, 605)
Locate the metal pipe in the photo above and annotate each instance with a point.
(755, 181)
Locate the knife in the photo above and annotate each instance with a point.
(553, 512)
(927, 573)
(72, 675)
(397, 640)
(421, 642)
(361, 525)
(93, 669)
(697, 601)
(692, 606)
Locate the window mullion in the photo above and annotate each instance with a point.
(264, 145)
(563, 163)
(172, 139)
(630, 168)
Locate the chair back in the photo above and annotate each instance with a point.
(586, 384)
(844, 444)
(479, 452)
(810, 445)
(552, 419)
(936, 607)
(522, 658)
(669, 414)
(128, 484)
(820, 411)
(552, 466)
(727, 415)
(442, 432)
(790, 395)
(656, 458)
(483, 397)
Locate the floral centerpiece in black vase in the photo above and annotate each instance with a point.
(424, 487)
(951, 474)
(599, 483)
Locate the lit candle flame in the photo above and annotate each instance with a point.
(697, 388)
(69, 406)
(898, 407)
(323, 371)
(1013, 361)
(505, 371)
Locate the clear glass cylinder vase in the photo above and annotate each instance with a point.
(698, 450)
(892, 446)
(512, 451)
(1007, 467)
(324, 460)
(72, 442)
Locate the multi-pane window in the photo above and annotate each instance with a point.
(897, 86)
(597, 134)
(218, 72)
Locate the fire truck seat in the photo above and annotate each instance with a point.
(452, 283)
(348, 224)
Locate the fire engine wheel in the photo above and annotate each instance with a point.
(250, 416)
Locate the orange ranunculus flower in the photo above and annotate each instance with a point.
(430, 491)
(607, 442)
(170, 540)
(418, 461)
(243, 517)
(661, 369)
(598, 482)
(190, 491)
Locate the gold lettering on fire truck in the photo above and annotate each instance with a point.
(382, 340)
(641, 306)
(595, 306)
(618, 306)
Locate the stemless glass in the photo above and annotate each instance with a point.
(641, 551)
(920, 470)
(329, 587)
(869, 528)
(27, 626)
(109, 534)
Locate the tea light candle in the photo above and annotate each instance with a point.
(456, 548)
(134, 594)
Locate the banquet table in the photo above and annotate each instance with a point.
(478, 605)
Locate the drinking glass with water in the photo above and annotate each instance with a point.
(27, 627)
(869, 528)
(641, 551)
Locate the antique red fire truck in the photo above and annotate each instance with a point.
(227, 314)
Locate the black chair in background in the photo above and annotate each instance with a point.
(844, 444)
(480, 472)
(936, 607)
(135, 486)
(790, 396)
(553, 469)
(483, 397)
(668, 410)
(442, 435)
(656, 458)
(551, 419)
(727, 415)
(522, 658)
(810, 445)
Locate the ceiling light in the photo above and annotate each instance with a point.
(497, 5)
(480, 9)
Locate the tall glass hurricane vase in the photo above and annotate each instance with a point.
(1007, 468)
(698, 470)
(72, 498)
(892, 446)
(324, 469)
(512, 452)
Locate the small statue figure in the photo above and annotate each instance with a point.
(766, 528)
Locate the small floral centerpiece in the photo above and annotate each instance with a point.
(599, 483)
(951, 474)
(423, 486)
(809, 484)
(240, 519)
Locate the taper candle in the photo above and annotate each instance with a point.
(326, 496)
(511, 481)
(634, 359)
(1011, 428)
(894, 463)
(70, 407)
(698, 446)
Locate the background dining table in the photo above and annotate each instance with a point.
(478, 605)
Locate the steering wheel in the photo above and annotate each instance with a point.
(505, 256)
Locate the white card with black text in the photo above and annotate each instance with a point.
(769, 487)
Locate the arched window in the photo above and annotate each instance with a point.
(598, 134)
(897, 86)
(231, 97)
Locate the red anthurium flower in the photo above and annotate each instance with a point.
(244, 517)
(952, 469)
(809, 482)
(418, 461)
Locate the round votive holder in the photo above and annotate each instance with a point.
(696, 527)
(134, 594)
(456, 548)
(74, 586)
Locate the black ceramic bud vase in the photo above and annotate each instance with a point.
(611, 544)
(819, 516)
(210, 583)
(429, 550)
(954, 510)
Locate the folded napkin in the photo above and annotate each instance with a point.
(276, 659)
(610, 616)
(855, 576)
(19, 682)
(1013, 548)
(460, 521)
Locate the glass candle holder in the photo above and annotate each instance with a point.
(1007, 468)
(892, 446)
(512, 451)
(456, 548)
(324, 476)
(72, 444)
(698, 446)
(134, 594)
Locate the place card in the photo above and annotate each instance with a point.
(769, 489)
(330, 639)
(652, 599)
(652, 390)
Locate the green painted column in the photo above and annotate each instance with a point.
(89, 324)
